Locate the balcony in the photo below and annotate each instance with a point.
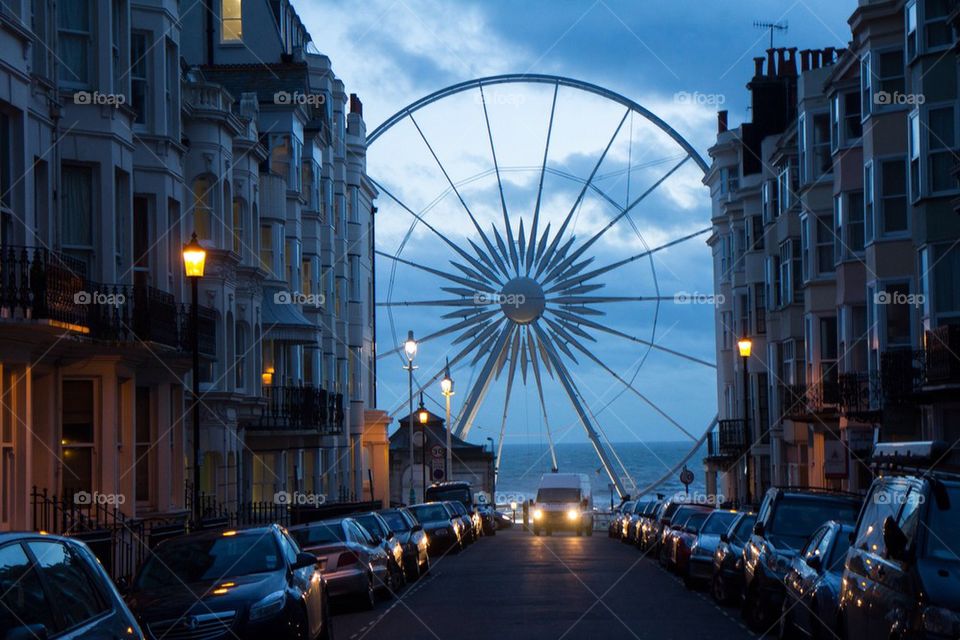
(859, 396)
(816, 401)
(303, 408)
(41, 285)
(941, 359)
(728, 440)
(901, 376)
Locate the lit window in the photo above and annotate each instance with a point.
(231, 20)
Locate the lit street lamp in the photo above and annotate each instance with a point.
(446, 388)
(745, 345)
(410, 349)
(423, 416)
(194, 261)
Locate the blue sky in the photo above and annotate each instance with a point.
(655, 53)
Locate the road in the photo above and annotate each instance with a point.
(515, 585)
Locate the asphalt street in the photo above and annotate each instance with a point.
(515, 585)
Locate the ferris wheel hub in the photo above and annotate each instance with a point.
(522, 300)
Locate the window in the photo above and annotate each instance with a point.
(941, 140)
(760, 308)
(820, 150)
(838, 248)
(116, 46)
(772, 282)
(896, 312)
(756, 233)
(866, 86)
(138, 75)
(69, 581)
(790, 271)
(240, 353)
(771, 208)
(729, 181)
(828, 355)
(802, 147)
(74, 26)
(307, 276)
(937, 33)
(911, 29)
(203, 208)
(913, 130)
(726, 320)
(893, 196)
(824, 242)
(76, 225)
(231, 20)
(77, 437)
(141, 240)
(853, 225)
(805, 233)
(238, 215)
(280, 155)
(143, 445)
(890, 75)
(945, 275)
(868, 201)
(171, 90)
(852, 123)
(39, 24)
(786, 187)
(266, 248)
(23, 603)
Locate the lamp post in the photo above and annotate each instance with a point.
(410, 349)
(446, 388)
(745, 345)
(423, 416)
(194, 260)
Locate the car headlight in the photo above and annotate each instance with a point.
(941, 621)
(537, 514)
(573, 514)
(268, 606)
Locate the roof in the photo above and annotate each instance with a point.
(284, 321)
(265, 80)
(436, 435)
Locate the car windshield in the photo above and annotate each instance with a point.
(794, 519)
(371, 524)
(840, 548)
(558, 494)
(640, 507)
(681, 514)
(454, 494)
(319, 533)
(396, 521)
(944, 522)
(430, 512)
(210, 559)
(718, 522)
(626, 507)
(744, 527)
(695, 521)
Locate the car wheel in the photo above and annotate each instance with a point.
(754, 612)
(718, 589)
(786, 629)
(426, 567)
(413, 569)
(369, 599)
(326, 632)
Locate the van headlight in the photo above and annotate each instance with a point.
(269, 606)
(537, 514)
(573, 514)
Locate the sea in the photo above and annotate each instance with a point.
(521, 466)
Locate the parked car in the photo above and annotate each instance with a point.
(634, 520)
(902, 575)
(250, 584)
(674, 527)
(653, 536)
(441, 527)
(464, 522)
(354, 566)
(683, 538)
(726, 580)
(700, 563)
(787, 518)
(383, 535)
(488, 519)
(615, 527)
(471, 520)
(813, 583)
(623, 517)
(416, 560)
(51, 586)
(646, 517)
(503, 520)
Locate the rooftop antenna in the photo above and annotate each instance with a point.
(772, 26)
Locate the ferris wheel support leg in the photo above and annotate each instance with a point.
(503, 422)
(567, 384)
(480, 387)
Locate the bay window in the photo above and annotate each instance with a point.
(75, 40)
(893, 196)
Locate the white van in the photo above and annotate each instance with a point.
(564, 503)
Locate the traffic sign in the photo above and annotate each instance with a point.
(438, 473)
(686, 476)
(437, 451)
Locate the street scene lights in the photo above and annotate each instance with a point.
(410, 349)
(423, 416)
(194, 262)
(446, 388)
(745, 346)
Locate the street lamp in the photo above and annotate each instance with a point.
(410, 349)
(446, 388)
(423, 416)
(194, 261)
(745, 345)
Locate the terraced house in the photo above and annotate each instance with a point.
(836, 248)
(126, 126)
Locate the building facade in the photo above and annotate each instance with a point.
(126, 127)
(836, 254)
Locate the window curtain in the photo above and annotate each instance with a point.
(77, 211)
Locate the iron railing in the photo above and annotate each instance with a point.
(728, 440)
(942, 355)
(301, 408)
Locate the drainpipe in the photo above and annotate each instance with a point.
(209, 12)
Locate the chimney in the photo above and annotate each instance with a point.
(781, 62)
(804, 60)
(815, 58)
(721, 121)
(757, 67)
(771, 66)
(355, 105)
(791, 69)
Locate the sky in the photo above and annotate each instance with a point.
(682, 60)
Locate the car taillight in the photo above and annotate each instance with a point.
(347, 558)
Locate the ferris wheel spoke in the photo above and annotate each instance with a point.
(558, 269)
(563, 329)
(543, 409)
(583, 191)
(463, 202)
(512, 257)
(543, 171)
(482, 384)
(512, 358)
(570, 389)
(488, 272)
(503, 420)
(568, 299)
(542, 245)
(465, 324)
(616, 265)
(500, 243)
(428, 303)
(476, 285)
